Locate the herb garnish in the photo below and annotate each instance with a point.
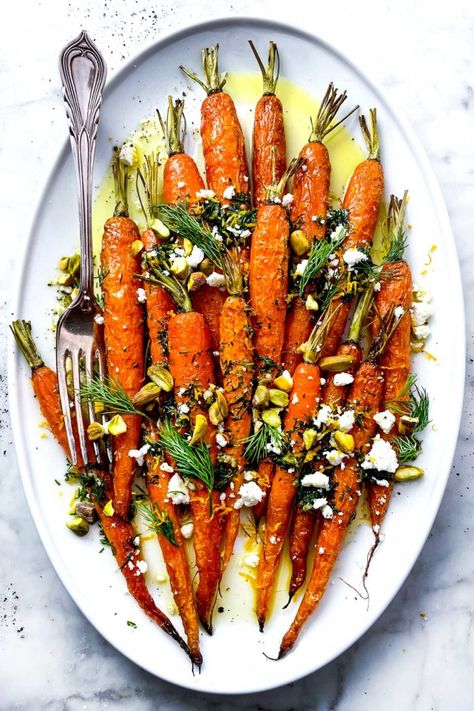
(192, 461)
(157, 520)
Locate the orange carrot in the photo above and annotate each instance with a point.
(269, 142)
(309, 211)
(365, 398)
(192, 368)
(119, 533)
(304, 399)
(396, 289)
(362, 201)
(209, 301)
(159, 309)
(236, 358)
(223, 142)
(124, 333)
(304, 521)
(181, 176)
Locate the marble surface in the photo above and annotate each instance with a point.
(50, 656)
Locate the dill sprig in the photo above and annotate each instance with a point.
(396, 238)
(318, 256)
(418, 407)
(256, 445)
(192, 461)
(157, 520)
(180, 221)
(111, 394)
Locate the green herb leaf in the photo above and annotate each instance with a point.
(318, 257)
(256, 445)
(157, 520)
(111, 394)
(192, 461)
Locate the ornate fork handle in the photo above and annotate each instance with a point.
(83, 73)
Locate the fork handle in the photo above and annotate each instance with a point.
(83, 71)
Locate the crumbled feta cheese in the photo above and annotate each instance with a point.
(376, 528)
(337, 233)
(181, 184)
(287, 200)
(128, 154)
(385, 420)
(377, 286)
(142, 566)
(399, 312)
(334, 456)
(249, 475)
(422, 332)
(322, 381)
(178, 492)
(205, 194)
(223, 496)
(183, 409)
(343, 379)
(345, 421)
(250, 494)
(139, 454)
(319, 503)
(165, 467)
(141, 295)
(381, 457)
(300, 267)
(99, 319)
(383, 482)
(321, 550)
(421, 312)
(295, 399)
(229, 193)
(327, 511)
(323, 415)
(161, 578)
(187, 530)
(196, 257)
(273, 540)
(221, 440)
(252, 560)
(216, 279)
(136, 541)
(318, 479)
(353, 256)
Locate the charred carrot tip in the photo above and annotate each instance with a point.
(290, 598)
(207, 626)
(261, 623)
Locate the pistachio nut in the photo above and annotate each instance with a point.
(161, 376)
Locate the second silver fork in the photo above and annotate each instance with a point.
(80, 331)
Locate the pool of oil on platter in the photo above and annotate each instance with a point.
(238, 588)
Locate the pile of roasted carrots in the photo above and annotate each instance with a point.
(258, 356)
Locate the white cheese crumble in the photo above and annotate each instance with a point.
(196, 257)
(99, 319)
(178, 492)
(142, 566)
(250, 475)
(128, 154)
(399, 312)
(229, 193)
(422, 332)
(205, 194)
(317, 479)
(323, 416)
(353, 256)
(221, 440)
(181, 184)
(139, 454)
(165, 467)
(377, 286)
(216, 279)
(346, 420)
(300, 267)
(250, 494)
(337, 233)
(421, 312)
(322, 381)
(327, 511)
(183, 409)
(295, 399)
(381, 457)
(343, 379)
(385, 420)
(320, 503)
(287, 200)
(335, 457)
(141, 295)
(252, 560)
(187, 530)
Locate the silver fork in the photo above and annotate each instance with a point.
(80, 331)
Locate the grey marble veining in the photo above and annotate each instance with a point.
(51, 658)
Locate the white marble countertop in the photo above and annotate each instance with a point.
(51, 658)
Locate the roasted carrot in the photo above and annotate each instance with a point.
(181, 176)
(362, 200)
(119, 533)
(192, 367)
(309, 211)
(223, 142)
(209, 301)
(124, 332)
(159, 309)
(173, 553)
(396, 290)
(269, 142)
(365, 398)
(268, 288)
(304, 399)
(305, 521)
(237, 364)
